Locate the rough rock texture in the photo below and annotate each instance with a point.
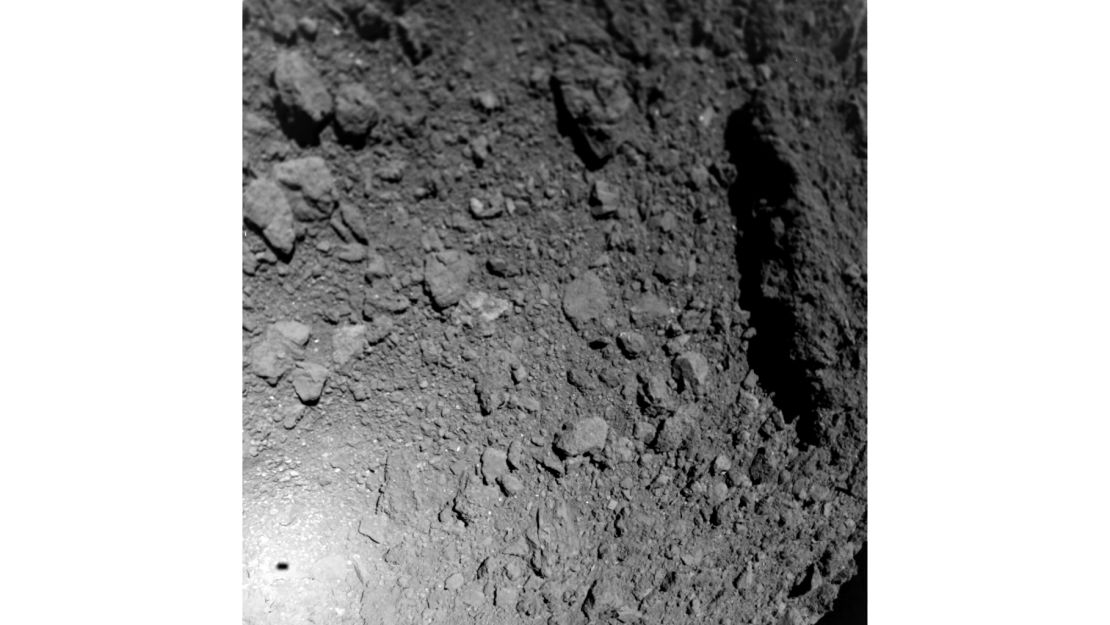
(553, 312)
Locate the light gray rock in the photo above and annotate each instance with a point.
(582, 437)
(266, 208)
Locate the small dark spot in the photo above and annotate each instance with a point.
(282, 566)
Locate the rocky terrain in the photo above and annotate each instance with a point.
(553, 311)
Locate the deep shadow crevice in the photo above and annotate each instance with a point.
(764, 185)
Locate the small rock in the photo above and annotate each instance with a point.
(352, 218)
(670, 268)
(494, 465)
(632, 343)
(511, 485)
(585, 300)
(284, 28)
(291, 416)
(515, 456)
(392, 171)
(310, 176)
(722, 463)
(347, 343)
(482, 210)
(649, 310)
(446, 275)
(266, 208)
(692, 370)
(488, 307)
(301, 88)
(356, 110)
(676, 429)
(413, 31)
(351, 252)
(294, 331)
(376, 267)
(454, 582)
(604, 199)
(487, 101)
(583, 436)
(308, 381)
(372, 22)
(308, 27)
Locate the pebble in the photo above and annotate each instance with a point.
(310, 176)
(582, 436)
(604, 199)
(692, 369)
(585, 300)
(301, 88)
(265, 207)
(356, 110)
(347, 343)
(308, 381)
(446, 275)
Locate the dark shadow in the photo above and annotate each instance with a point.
(282, 566)
(851, 604)
(297, 126)
(764, 185)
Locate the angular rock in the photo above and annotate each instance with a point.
(511, 485)
(454, 582)
(675, 430)
(356, 111)
(352, 218)
(266, 208)
(308, 381)
(604, 199)
(301, 89)
(494, 465)
(415, 37)
(310, 176)
(585, 300)
(347, 343)
(632, 343)
(649, 310)
(446, 275)
(582, 437)
(294, 331)
(270, 359)
(594, 100)
(692, 370)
